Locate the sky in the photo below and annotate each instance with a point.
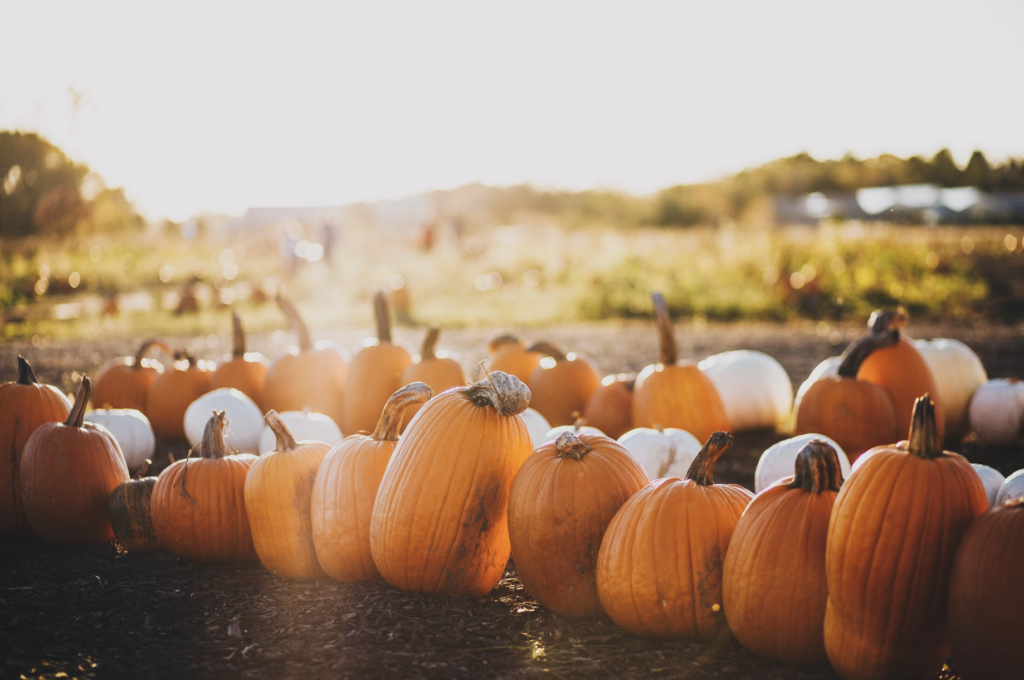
(219, 106)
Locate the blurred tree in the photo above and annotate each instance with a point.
(978, 173)
(945, 171)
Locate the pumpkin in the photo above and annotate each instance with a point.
(128, 509)
(996, 411)
(437, 370)
(172, 391)
(676, 394)
(304, 426)
(132, 431)
(891, 542)
(278, 501)
(610, 409)
(245, 422)
(826, 369)
(1011, 489)
(24, 406)
(537, 425)
(346, 486)
(958, 372)
(755, 389)
(375, 373)
(578, 427)
(562, 385)
(197, 506)
(662, 452)
(125, 381)
(986, 602)
(560, 504)
(900, 370)
(243, 371)
(68, 471)
(308, 376)
(991, 479)
(509, 354)
(659, 569)
(440, 520)
(773, 585)
(778, 459)
(857, 415)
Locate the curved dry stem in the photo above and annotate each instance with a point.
(77, 415)
(237, 336)
(861, 349)
(285, 440)
(545, 347)
(295, 321)
(888, 320)
(382, 312)
(429, 348)
(391, 418)
(213, 444)
(505, 393)
(144, 350)
(187, 355)
(26, 376)
(923, 440)
(667, 353)
(702, 468)
(569, 445)
(817, 468)
(503, 340)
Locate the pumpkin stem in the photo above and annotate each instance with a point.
(285, 440)
(580, 422)
(861, 349)
(628, 380)
(237, 336)
(817, 468)
(569, 445)
(296, 322)
(382, 311)
(666, 332)
(187, 355)
(213, 445)
(502, 340)
(505, 393)
(391, 418)
(430, 344)
(144, 349)
(77, 415)
(923, 440)
(26, 376)
(545, 347)
(701, 470)
(888, 321)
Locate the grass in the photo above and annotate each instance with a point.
(511, 277)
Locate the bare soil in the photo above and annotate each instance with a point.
(100, 613)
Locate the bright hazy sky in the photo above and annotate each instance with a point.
(217, 106)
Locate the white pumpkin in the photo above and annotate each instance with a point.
(996, 411)
(662, 453)
(826, 369)
(554, 432)
(132, 431)
(958, 372)
(778, 461)
(244, 419)
(1012, 488)
(992, 480)
(304, 426)
(755, 389)
(537, 425)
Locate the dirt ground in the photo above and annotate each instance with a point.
(97, 613)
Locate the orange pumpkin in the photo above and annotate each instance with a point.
(440, 521)
(559, 507)
(24, 406)
(659, 570)
(509, 354)
(68, 471)
(610, 409)
(986, 603)
(900, 370)
(130, 517)
(856, 414)
(245, 371)
(125, 381)
(198, 506)
(346, 487)
(308, 376)
(773, 586)
(562, 384)
(891, 542)
(676, 393)
(172, 391)
(438, 370)
(278, 501)
(375, 373)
